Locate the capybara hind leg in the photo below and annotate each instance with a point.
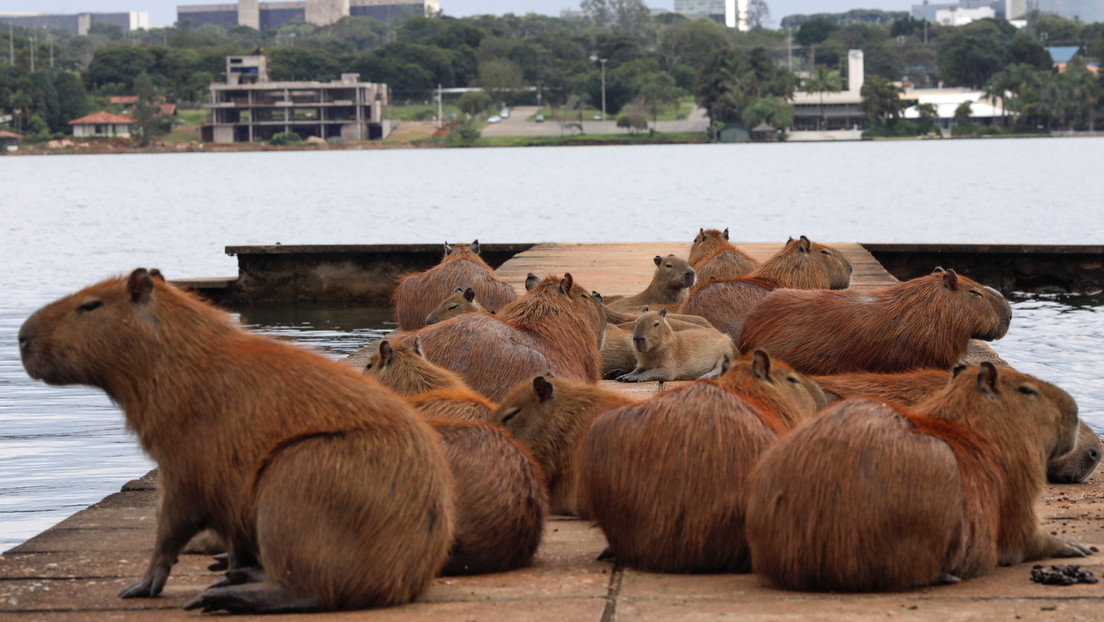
(239, 576)
(253, 598)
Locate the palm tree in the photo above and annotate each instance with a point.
(823, 81)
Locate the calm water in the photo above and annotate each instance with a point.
(72, 220)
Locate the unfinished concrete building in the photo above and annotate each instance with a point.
(249, 107)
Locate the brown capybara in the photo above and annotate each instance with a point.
(501, 499)
(417, 293)
(871, 496)
(618, 354)
(714, 257)
(287, 455)
(673, 276)
(924, 322)
(550, 416)
(911, 387)
(462, 300)
(434, 391)
(801, 264)
(662, 353)
(664, 478)
(555, 326)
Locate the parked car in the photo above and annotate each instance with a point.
(505, 114)
(494, 119)
(539, 118)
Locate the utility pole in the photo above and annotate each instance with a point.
(603, 61)
(440, 108)
(33, 43)
(789, 48)
(50, 38)
(11, 43)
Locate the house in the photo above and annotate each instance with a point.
(251, 108)
(947, 101)
(9, 141)
(102, 125)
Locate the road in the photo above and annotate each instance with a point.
(518, 124)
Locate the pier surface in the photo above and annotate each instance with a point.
(73, 571)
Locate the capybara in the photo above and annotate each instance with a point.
(870, 496)
(670, 281)
(911, 387)
(924, 322)
(714, 257)
(618, 354)
(801, 264)
(662, 353)
(462, 300)
(501, 499)
(417, 293)
(664, 478)
(434, 391)
(287, 455)
(550, 416)
(555, 326)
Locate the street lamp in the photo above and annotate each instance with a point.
(603, 61)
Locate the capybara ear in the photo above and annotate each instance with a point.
(385, 351)
(725, 233)
(531, 281)
(761, 365)
(542, 388)
(663, 312)
(597, 297)
(155, 273)
(458, 290)
(701, 233)
(938, 269)
(566, 283)
(448, 249)
(657, 259)
(417, 347)
(950, 280)
(469, 294)
(644, 309)
(474, 247)
(957, 369)
(725, 364)
(803, 245)
(987, 378)
(140, 285)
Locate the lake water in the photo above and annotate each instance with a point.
(68, 221)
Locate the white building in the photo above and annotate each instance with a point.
(958, 16)
(947, 101)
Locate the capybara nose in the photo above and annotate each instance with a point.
(24, 343)
(638, 340)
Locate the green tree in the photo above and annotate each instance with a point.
(822, 81)
(634, 119)
(115, 67)
(657, 92)
(814, 31)
(719, 88)
(147, 123)
(774, 111)
(501, 78)
(881, 101)
(302, 64)
(929, 114)
(962, 114)
(974, 52)
(474, 102)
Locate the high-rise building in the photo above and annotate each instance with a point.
(77, 23)
(270, 15)
(732, 13)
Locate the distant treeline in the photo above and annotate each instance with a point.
(55, 76)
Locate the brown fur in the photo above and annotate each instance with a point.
(555, 326)
(462, 300)
(434, 391)
(714, 257)
(662, 353)
(924, 322)
(801, 264)
(664, 479)
(618, 354)
(946, 489)
(911, 387)
(284, 453)
(417, 293)
(670, 281)
(550, 416)
(501, 500)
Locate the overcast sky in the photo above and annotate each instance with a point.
(163, 12)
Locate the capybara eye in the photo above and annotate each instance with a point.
(975, 292)
(91, 305)
(1027, 391)
(510, 415)
(793, 379)
(826, 253)
(368, 366)
(668, 265)
(451, 307)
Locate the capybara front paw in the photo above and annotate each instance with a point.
(628, 378)
(142, 589)
(1069, 548)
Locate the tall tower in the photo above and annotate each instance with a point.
(1015, 9)
(325, 12)
(856, 72)
(249, 13)
(736, 14)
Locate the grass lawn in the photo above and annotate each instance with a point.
(419, 112)
(641, 138)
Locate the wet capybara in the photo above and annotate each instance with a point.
(801, 264)
(550, 416)
(924, 322)
(434, 391)
(555, 326)
(462, 300)
(942, 491)
(501, 499)
(664, 478)
(911, 387)
(714, 257)
(287, 455)
(417, 293)
(673, 276)
(662, 353)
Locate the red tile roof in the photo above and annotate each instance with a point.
(167, 110)
(4, 134)
(124, 99)
(103, 117)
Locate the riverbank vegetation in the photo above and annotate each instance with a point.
(640, 62)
